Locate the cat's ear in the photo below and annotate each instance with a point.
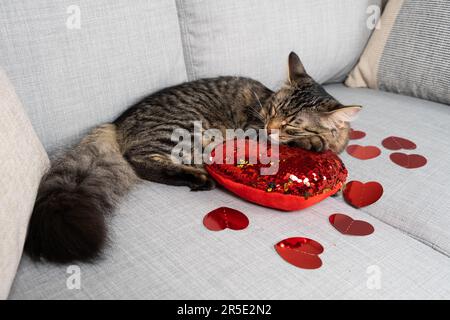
(296, 69)
(344, 114)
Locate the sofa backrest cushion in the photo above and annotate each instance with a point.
(23, 162)
(76, 66)
(254, 37)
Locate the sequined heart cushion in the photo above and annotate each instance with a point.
(303, 177)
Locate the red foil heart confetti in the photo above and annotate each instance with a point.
(363, 152)
(346, 225)
(356, 134)
(300, 252)
(408, 161)
(397, 143)
(223, 218)
(359, 194)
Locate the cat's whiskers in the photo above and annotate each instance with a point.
(257, 98)
(254, 111)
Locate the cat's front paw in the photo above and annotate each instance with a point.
(202, 182)
(314, 143)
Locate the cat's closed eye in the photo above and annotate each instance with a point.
(294, 132)
(315, 131)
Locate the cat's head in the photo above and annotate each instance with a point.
(303, 108)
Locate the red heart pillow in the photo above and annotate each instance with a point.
(303, 177)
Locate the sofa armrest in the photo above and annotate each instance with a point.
(23, 161)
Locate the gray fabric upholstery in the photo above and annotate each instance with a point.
(414, 200)
(416, 57)
(160, 248)
(253, 37)
(70, 80)
(73, 79)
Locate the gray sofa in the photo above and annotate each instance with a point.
(72, 75)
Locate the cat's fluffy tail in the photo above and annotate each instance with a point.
(68, 219)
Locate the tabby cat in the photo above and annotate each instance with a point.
(68, 220)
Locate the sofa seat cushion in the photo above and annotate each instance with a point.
(414, 200)
(254, 37)
(161, 250)
(78, 64)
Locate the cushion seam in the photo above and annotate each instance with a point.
(185, 40)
